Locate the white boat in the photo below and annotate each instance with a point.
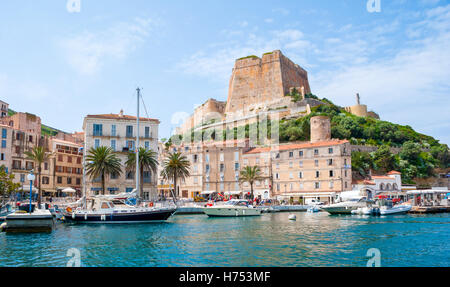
(366, 210)
(345, 207)
(397, 209)
(313, 209)
(232, 208)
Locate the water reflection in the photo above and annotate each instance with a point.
(315, 239)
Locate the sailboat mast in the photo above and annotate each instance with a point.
(137, 145)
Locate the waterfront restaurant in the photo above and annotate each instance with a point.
(435, 197)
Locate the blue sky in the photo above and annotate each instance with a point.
(63, 66)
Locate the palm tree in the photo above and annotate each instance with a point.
(147, 161)
(250, 174)
(101, 161)
(38, 155)
(175, 166)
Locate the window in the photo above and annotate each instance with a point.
(3, 143)
(345, 173)
(129, 131)
(291, 154)
(69, 180)
(22, 178)
(316, 162)
(207, 168)
(291, 186)
(59, 179)
(113, 130)
(114, 176)
(291, 164)
(78, 181)
(316, 152)
(236, 156)
(257, 161)
(300, 153)
(195, 179)
(330, 150)
(222, 167)
(69, 159)
(236, 166)
(291, 176)
(45, 180)
(300, 174)
(147, 145)
(4, 133)
(2, 156)
(96, 143)
(207, 158)
(331, 173)
(147, 132)
(330, 161)
(300, 163)
(97, 130)
(194, 158)
(45, 165)
(60, 157)
(221, 157)
(331, 184)
(317, 185)
(130, 145)
(277, 176)
(17, 149)
(30, 139)
(278, 187)
(113, 145)
(317, 174)
(130, 175)
(147, 177)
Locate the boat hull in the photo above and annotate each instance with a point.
(231, 212)
(396, 210)
(340, 210)
(134, 217)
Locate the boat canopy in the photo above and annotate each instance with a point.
(207, 192)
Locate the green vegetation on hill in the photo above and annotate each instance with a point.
(420, 155)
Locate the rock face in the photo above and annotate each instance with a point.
(256, 82)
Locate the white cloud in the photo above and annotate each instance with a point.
(87, 52)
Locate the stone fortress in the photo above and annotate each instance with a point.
(258, 89)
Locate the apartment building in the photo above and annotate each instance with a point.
(118, 131)
(64, 168)
(305, 170)
(4, 108)
(6, 147)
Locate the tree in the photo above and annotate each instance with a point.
(147, 161)
(362, 162)
(250, 174)
(39, 156)
(7, 185)
(384, 160)
(175, 166)
(101, 161)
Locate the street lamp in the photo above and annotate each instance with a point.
(31, 177)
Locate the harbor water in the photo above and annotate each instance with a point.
(314, 239)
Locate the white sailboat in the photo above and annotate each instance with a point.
(107, 209)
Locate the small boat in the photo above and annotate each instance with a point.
(345, 207)
(232, 208)
(313, 209)
(108, 211)
(367, 210)
(397, 209)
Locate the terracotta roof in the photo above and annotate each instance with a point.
(381, 177)
(119, 117)
(393, 172)
(298, 146)
(66, 142)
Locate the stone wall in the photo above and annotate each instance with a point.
(257, 82)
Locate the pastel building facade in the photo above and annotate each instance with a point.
(118, 131)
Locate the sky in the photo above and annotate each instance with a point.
(63, 62)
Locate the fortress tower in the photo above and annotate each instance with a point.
(258, 82)
(320, 129)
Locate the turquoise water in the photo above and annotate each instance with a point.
(270, 240)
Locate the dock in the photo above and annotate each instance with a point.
(429, 209)
(23, 222)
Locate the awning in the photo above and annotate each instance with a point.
(34, 189)
(69, 190)
(236, 192)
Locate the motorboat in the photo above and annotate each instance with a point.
(397, 209)
(345, 207)
(366, 210)
(104, 210)
(313, 209)
(232, 208)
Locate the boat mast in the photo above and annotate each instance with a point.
(137, 145)
(84, 170)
